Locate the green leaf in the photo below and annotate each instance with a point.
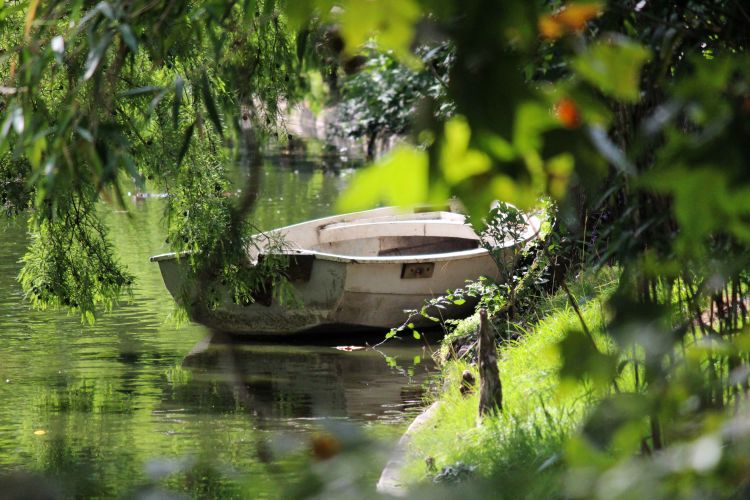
(302, 37)
(391, 20)
(614, 415)
(457, 160)
(5, 127)
(128, 37)
(582, 360)
(459, 302)
(614, 66)
(417, 359)
(16, 118)
(148, 89)
(208, 99)
(269, 6)
(298, 13)
(132, 170)
(495, 146)
(85, 133)
(705, 201)
(179, 85)
(416, 335)
(532, 120)
(390, 334)
(96, 54)
(559, 169)
(185, 143)
(601, 141)
(156, 100)
(34, 154)
(400, 178)
(249, 7)
(106, 9)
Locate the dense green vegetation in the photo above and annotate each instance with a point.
(631, 118)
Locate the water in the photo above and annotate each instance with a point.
(135, 405)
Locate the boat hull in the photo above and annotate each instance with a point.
(351, 295)
(359, 271)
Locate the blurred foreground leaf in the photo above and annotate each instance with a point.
(614, 66)
(399, 179)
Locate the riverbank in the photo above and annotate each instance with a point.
(522, 445)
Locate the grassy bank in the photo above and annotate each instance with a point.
(524, 443)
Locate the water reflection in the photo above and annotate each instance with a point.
(290, 382)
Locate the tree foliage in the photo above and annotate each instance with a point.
(381, 99)
(633, 116)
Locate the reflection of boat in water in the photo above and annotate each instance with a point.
(358, 270)
(304, 381)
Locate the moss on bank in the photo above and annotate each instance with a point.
(523, 444)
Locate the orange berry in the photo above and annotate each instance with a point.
(570, 18)
(567, 112)
(550, 28)
(575, 16)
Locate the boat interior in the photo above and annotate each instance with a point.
(443, 232)
(397, 246)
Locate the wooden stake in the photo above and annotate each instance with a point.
(490, 388)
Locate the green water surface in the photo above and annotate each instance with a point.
(135, 406)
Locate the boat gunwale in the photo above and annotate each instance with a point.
(533, 223)
(354, 259)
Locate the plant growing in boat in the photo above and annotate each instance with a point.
(254, 271)
(506, 239)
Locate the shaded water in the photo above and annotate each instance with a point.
(135, 404)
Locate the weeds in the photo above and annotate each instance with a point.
(527, 440)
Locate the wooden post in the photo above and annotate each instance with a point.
(490, 388)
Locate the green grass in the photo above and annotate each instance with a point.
(523, 444)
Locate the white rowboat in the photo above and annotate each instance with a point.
(359, 271)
